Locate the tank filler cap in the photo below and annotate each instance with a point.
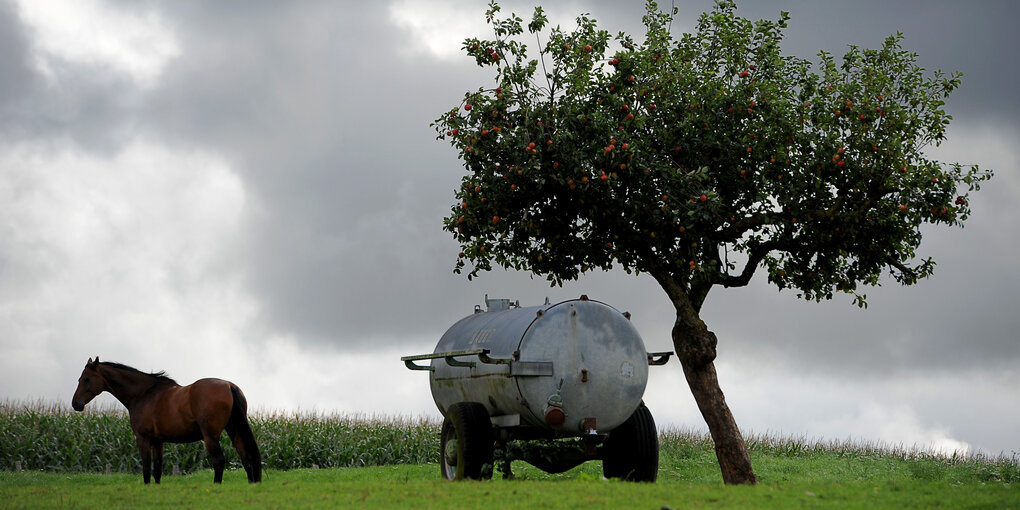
(498, 305)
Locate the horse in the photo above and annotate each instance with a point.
(162, 411)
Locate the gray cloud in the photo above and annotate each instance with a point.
(320, 110)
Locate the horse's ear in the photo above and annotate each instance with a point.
(93, 363)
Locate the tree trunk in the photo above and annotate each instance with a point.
(729, 444)
(696, 349)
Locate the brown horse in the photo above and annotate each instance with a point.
(162, 411)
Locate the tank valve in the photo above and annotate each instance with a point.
(554, 415)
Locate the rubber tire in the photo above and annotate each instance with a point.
(631, 452)
(470, 457)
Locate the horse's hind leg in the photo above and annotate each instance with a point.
(212, 445)
(242, 453)
(157, 461)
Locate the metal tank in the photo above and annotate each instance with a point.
(509, 375)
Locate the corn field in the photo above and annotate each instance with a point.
(52, 437)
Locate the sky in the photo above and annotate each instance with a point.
(252, 191)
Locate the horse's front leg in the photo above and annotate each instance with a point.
(145, 450)
(212, 445)
(157, 460)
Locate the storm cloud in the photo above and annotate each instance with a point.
(254, 192)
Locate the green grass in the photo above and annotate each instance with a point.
(420, 486)
(391, 463)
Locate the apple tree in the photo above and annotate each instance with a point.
(699, 160)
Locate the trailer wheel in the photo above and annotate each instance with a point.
(631, 451)
(466, 442)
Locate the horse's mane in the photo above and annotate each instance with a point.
(160, 376)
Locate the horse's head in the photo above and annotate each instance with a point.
(90, 384)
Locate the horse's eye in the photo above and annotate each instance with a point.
(86, 381)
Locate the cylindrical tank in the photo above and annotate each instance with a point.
(571, 368)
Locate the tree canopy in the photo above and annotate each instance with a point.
(705, 156)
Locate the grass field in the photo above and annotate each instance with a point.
(379, 463)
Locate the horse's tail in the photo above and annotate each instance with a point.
(243, 432)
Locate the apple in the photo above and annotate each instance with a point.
(467, 107)
(703, 198)
(587, 47)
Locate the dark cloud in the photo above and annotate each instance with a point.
(325, 113)
(16, 77)
(327, 118)
(321, 110)
(81, 101)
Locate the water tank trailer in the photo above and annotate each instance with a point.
(552, 385)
